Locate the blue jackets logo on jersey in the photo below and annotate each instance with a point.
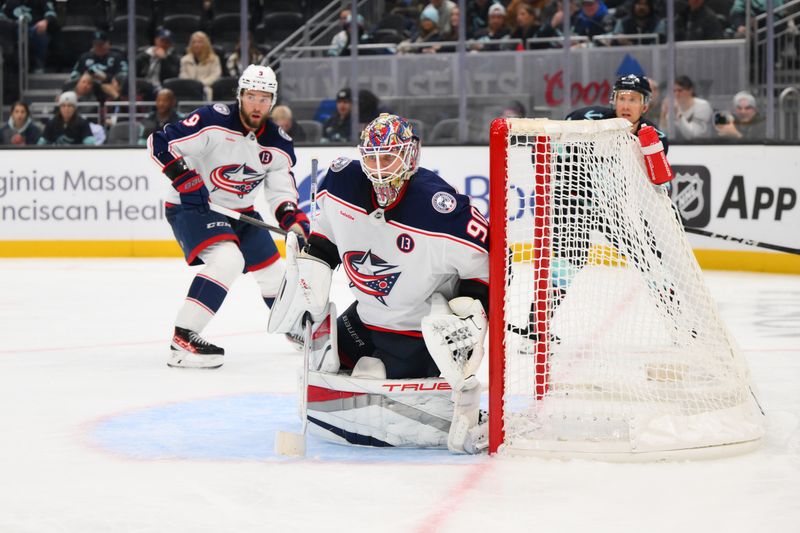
(237, 179)
(369, 274)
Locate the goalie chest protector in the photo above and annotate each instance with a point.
(396, 257)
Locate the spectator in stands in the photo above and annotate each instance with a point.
(452, 35)
(160, 61)
(88, 89)
(42, 25)
(697, 22)
(234, 63)
(643, 18)
(201, 63)
(745, 124)
(496, 31)
(443, 8)
(737, 15)
(165, 112)
(428, 32)
(101, 62)
(20, 129)
(653, 112)
(340, 43)
(337, 128)
(528, 27)
(478, 16)
(67, 126)
(282, 116)
(593, 19)
(692, 114)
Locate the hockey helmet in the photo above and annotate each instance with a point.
(632, 82)
(258, 78)
(389, 149)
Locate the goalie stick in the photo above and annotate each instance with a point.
(740, 240)
(288, 443)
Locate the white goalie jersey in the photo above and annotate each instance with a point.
(397, 257)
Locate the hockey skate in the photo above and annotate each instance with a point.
(190, 350)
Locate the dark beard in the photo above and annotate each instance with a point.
(249, 123)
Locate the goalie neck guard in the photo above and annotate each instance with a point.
(389, 151)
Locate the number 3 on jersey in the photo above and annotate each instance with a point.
(477, 227)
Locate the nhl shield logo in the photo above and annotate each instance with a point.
(443, 202)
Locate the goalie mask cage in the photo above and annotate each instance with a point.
(604, 340)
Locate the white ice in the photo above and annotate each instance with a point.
(98, 434)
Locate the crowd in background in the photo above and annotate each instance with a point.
(199, 67)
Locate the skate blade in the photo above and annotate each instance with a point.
(181, 359)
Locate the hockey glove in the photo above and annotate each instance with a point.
(291, 218)
(454, 335)
(189, 185)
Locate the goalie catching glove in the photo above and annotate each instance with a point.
(454, 335)
(305, 287)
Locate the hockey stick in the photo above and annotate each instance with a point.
(286, 442)
(230, 213)
(748, 242)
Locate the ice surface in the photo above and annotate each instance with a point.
(98, 434)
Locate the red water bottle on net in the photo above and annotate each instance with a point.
(655, 160)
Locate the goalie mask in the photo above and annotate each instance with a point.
(389, 151)
(258, 78)
(632, 83)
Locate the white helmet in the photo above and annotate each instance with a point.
(258, 78)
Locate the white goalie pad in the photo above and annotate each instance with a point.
(454, 335)
(412, 413)
(324, 355)
(305, 287)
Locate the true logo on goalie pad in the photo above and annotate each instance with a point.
(444, 202)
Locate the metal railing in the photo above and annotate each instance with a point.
(22, 53)
(789, 113)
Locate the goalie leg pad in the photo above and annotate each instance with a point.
(324, 355)
(370, 368)
(465, 415)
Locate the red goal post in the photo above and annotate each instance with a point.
(604, 341)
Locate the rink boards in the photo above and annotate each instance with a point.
(109, 202)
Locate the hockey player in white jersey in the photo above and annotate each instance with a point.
(409, 244)
(225, 154)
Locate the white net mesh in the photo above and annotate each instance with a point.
(612, 341)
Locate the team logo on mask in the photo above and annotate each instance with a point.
(236, 179)
(370, 274)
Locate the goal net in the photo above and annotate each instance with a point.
(604, 340)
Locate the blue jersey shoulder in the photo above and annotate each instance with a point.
(432, 204)
(346, 181)
(274, 137)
